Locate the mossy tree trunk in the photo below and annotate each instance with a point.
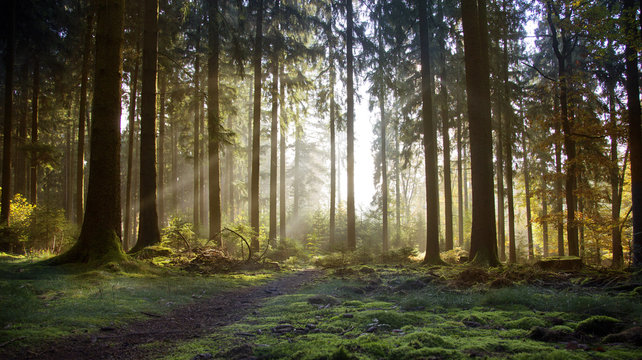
(274, 133)
(99, 239)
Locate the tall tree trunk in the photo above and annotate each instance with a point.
(351, 229)
(274, 138)
(558, 186)
(130, 151)
(500, 183)
(256, 128)
(465, 167)
(460, 187)
(173, 184)
(384, 157)
(161, 148)
(282, 147)
(333, 153)
(545, 219)
(429, 142)
(249, 151)
(445, 135)
(635, 133)
(296, 201)
(148, 230)
(214, 124)
(527, 192)
(229, 166)
(20, 169)
(34, 130)
(8, 115)
(614, 175)
(80, 157)
(397, 188)
(569, 142)
(483, 242)
(197, 143)
(99, 239)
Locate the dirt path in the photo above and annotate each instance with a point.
(184, 323)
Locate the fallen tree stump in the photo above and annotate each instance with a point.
(564, 263)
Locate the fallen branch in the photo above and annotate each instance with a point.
(189, 248)
(12, 340)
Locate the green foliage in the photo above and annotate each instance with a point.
(36, 228)
(598, 325)
(178, 234)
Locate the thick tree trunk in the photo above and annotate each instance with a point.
(635, 133)
(99, 239)
(429, 142)
(483, 247)
(274, 138)
(282, 147)
(8, 115)
(558, 191)
(33, 165)
(80, 157)
(256, 129)
(148, 230)
(130, 152)
(214, 124)
(351, 227)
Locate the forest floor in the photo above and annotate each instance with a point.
(350, 312)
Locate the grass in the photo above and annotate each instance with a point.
(434, 321)
(43, 302)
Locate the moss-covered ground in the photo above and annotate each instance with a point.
(432, 313)
(39, 302)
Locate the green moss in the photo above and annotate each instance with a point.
(562, 329)
(426, 339)
(525, 323)
(552, 355)
(598, 325)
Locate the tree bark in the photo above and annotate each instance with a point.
(80, 157)
(483, 249)
(197, 143)
(527, 192)
(130, 151)
(274, 138)
(544, 221)
(160, 193)
(33, 166)
(333, 153)
(351, 227)
(99, 239)
(256, 129)
(614, 175)
(383, 124)
(429, 142)
(282, 147)
(569, 142)
(148, 230)
(445, 135)
(460, 188)
(635, 133)
(8, 115)
(20, 184)
(214, 124)
(558, 186)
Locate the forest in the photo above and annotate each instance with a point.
(321, 179)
